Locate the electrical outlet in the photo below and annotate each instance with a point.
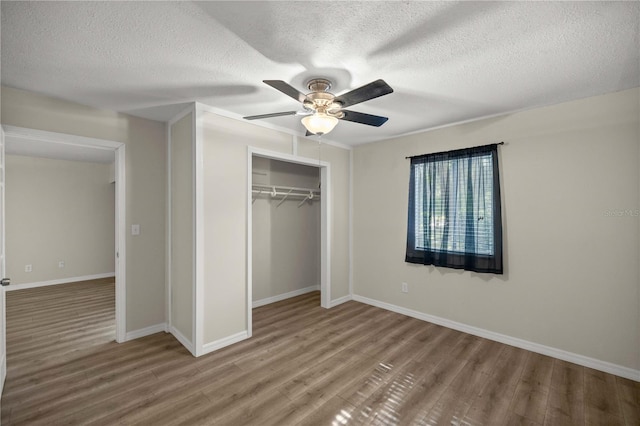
(405, 288)
(61, 264)
(28, 268)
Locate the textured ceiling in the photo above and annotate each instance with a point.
(447, 61)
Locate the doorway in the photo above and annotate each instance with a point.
(82, 147)
(286, 230)
(311, 193)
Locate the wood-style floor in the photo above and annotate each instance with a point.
(351, 365)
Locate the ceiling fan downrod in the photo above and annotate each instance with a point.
(319, 85)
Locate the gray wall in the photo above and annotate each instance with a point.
(55, 211)
(182, 205)
(571, 278)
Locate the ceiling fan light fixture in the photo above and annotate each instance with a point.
(319, 123)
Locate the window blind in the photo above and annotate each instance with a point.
(454, 210)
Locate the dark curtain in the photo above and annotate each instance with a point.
(455, 216)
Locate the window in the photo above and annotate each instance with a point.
(455, 217)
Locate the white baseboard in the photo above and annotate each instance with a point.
(279, 297)
(226, 341)
(183, 340)
(585, 361)
(23, 286)
(152, 329)
(340, 301)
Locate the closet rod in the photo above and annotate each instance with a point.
(289, 194)
(280, 188)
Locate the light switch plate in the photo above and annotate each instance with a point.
(135, 229)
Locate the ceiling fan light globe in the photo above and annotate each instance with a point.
(319, 124)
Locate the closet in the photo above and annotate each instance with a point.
(286, 208)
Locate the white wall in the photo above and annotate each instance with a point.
(571, 277)
(182, 226)
(146, 167)
(58, 211)
(225, 214)
(286, 237)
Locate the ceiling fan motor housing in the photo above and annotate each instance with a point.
(320, 100)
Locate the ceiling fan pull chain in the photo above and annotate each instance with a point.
(319, 159)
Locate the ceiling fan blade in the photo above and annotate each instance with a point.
(308, 133)
(362, 118)
(287, 89)
(368, 91)
(273, 114)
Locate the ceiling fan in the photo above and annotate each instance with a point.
(323, 109)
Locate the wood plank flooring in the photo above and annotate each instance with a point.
(351, 365)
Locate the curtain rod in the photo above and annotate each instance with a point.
(499, 143)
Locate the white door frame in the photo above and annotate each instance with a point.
(325, 223)
(3, 306)
(120, 212)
